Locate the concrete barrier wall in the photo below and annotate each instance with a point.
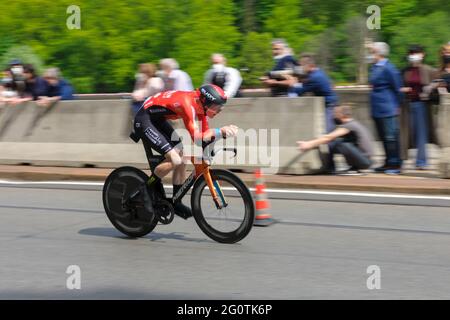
(443, 131)
(95, 133)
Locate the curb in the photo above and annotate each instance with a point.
(66, 174)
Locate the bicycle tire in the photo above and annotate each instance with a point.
(125, 180)
(249, 216)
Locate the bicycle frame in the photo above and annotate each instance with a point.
(199, 169)
(214, 187)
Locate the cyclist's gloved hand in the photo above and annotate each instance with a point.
(229, 131)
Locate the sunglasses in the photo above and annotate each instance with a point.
(216, 107)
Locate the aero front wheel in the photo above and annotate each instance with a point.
(235, 219)
(129, 217)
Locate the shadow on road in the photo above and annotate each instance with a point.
(154, 236)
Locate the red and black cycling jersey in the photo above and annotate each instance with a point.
(183, 105)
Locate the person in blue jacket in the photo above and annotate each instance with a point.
(58, 87)
(318, 83)
(385, 100)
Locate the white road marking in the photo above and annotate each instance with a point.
(268, 190)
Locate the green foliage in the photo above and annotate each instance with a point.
(210, 29)
(117, 35)
(256, 58)
(419, 30)
(286, 22)
(24, 53)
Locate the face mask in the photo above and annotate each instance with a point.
(370, 58)
(218, 67)
(414, 58)
(337, 121)
(17, 70)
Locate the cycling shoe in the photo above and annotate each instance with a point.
(182, 211)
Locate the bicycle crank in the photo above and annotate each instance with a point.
(164, 211)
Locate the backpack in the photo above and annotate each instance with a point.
(219, 78)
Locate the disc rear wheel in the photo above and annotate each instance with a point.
(127, 215)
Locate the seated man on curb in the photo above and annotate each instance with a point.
(350, 138)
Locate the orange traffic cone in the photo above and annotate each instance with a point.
(263, 217)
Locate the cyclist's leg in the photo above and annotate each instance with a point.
(150, 137)
(147, 128)
(174, 155)
(179, 168)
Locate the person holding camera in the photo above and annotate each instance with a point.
(284, 62)
(317, 82)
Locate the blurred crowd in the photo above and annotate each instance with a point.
(21, 83)
(151, 80)
(401, 103)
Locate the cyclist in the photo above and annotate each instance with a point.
(156, 132)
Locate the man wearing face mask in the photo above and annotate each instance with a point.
(416, 119)
(385, 100)
(227, 78)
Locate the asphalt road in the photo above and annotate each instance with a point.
(317, 250)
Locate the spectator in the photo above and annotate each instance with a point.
(174, 78)
(147, 84)
(316, 82)
(416, 112)
(227, 78)
(14, 83)
(35, 86)
(16, 68)
(385, 100)
(8, 91)
(350, 138)
(25, 82)
(441, 84)
(59, 88)
(444, 72)
(284, 61)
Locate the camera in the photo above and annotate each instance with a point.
(296, 71)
